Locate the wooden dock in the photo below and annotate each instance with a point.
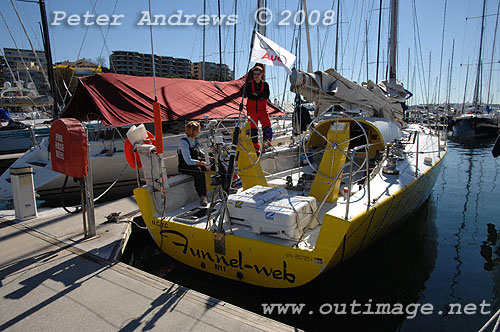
(54, 279)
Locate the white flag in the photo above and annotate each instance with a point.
(267, 52)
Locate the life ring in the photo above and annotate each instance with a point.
(129, 154)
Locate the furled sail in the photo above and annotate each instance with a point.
(326, 88)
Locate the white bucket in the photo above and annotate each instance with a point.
(137, 133)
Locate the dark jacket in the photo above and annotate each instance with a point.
(257, 87)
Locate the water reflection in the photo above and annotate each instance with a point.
(465, 164)
(487, 249)
(471, 142)
(392, 271)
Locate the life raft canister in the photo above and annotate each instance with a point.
(129, 154)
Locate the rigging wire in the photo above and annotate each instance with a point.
(291, 50)
(104, 44)
(356, 32)
(35, 33)
(31, 44)
(418, 46)
(365, 52)
(78, 55)
(325, 41)
(220, 41)
(344, 49)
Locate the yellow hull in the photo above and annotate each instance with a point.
(383, 217)
(273, 265)
(252, 261)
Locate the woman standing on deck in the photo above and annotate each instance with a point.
(257, 92)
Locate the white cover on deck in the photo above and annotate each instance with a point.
(330, 88)
(270, 211)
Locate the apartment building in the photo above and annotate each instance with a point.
(25, 67)
(212, 71)
(139, 64)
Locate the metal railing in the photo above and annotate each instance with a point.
(349, 183)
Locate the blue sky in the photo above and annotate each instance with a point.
(76, 41)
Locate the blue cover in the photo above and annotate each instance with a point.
(4, 115)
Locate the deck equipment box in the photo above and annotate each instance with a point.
(271, 211)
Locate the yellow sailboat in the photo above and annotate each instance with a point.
(302, 209)
(277, 237)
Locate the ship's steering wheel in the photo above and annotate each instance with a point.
(311, 129)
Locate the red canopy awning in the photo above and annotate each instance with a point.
(120, 100)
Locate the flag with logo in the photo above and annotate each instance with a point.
(267, 52)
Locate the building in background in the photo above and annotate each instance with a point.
(212, 71)
(2, 74)
(139, 64)
(25, 67)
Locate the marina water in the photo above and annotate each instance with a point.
(445, 257)
(445, 254)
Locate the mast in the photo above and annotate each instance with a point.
(408, 83)
(337, 35)
(448, 86)
(451, 73)
(492, 55)
(477, 97)
(442, 48)
(309, 61)
(234, 39)
(317, 46)
(48, 57)
(393, 40)
(429, 79)
(366, 45)
(465, 87)
(232, 157)
(220, 43)
(299, 54)
(204, 28)
(378, 43)
(261, 28)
